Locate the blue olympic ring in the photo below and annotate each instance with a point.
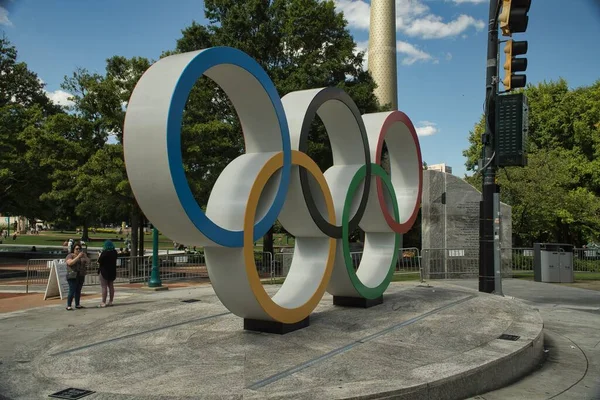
(192, 72)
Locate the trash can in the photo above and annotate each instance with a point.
(553, 262)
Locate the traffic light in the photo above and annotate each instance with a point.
(514, 64)
(513, 18)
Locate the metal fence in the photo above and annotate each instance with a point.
(586, 260)
(129, 269)
(37, 272)
(173, 267)
(464, 263)
(426, 264)
(408, 262)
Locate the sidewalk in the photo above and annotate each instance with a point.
(572, 339)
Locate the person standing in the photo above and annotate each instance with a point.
(77, 263)
(107, 269)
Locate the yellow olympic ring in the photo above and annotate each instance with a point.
(270, 307)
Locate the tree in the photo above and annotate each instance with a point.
(103, 192)
(24, 105)
(19, 85)
(73, 139)
(302, 44)
(556, 197)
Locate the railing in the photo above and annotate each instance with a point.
(428, 264)
(450, 263)
(172, 267)
(129, 269)
(408, 262)
(586, 260)
(37, 272)
(464, 263)
(516, 261)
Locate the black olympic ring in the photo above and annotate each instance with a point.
(324, 96)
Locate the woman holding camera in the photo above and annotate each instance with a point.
(77, 263)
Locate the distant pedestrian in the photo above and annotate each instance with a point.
(77, 263)
(107, 271)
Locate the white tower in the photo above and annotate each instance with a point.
(382, 51)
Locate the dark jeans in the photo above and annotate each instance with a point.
(75, 286)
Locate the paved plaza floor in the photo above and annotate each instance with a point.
(428, 342)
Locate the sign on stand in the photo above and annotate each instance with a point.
(57, 281)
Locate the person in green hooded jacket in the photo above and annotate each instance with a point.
(107, 270)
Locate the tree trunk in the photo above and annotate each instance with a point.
(268, 242)
(141, 235)
(22, 228)
(32, 224)
(85, 235)
(134, 231)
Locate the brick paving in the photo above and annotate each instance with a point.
(10, 302)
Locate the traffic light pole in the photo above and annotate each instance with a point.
(486, 223)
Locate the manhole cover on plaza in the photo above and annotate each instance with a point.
(190, 301)
(505, 336)
(71, 393)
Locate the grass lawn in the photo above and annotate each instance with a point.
(279, 239)
(57, 238)
(579, 276)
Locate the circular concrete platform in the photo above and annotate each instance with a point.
(437, 342)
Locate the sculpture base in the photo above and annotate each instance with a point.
(279, 328)
(358, 302)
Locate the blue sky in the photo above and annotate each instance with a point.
(441, 50)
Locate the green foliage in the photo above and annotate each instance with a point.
(555, 198)
(66, 164)
(302, 44)
(24, 106)
(473, 152)
(89, 182)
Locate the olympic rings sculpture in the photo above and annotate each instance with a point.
(276, 179)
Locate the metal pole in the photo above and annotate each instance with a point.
(155, 273)
(486, 225)
(497, 244)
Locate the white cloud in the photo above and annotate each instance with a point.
(413, 18)
(426, 128)
(356, 12)
(432, 27)
(60, 97)
(4, 17)
(363, 46)
(448, 56)
(411, 53)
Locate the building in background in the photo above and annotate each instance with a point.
(440, 167)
